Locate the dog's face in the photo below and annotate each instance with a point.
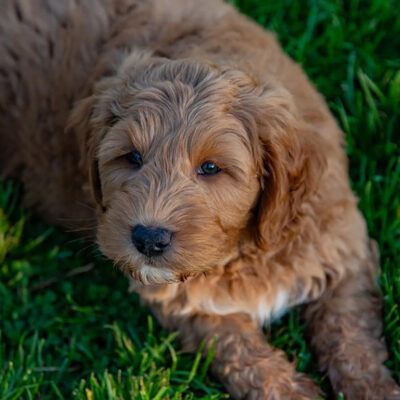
(179, 167)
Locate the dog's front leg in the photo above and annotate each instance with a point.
(346, 332)
(249, 367)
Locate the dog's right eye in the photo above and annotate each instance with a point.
(135, 159)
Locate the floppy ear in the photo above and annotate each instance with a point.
(89, 121)
(80, 124)
(291, 160)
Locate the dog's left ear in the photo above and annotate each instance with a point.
(291, 160)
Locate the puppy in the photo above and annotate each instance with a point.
(209, 169)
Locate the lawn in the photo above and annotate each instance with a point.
(69, 329)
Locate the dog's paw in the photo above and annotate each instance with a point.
(301, 387)
(385, 389)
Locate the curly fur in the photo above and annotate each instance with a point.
(183, 81)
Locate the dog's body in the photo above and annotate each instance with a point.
(188, 81)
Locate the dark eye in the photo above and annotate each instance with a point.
(135, 159)
(208, 168)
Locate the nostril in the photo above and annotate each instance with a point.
(163, 238)
(138, 235)
(151, 241)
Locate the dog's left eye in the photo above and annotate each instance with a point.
(135, 159)
(208, 168)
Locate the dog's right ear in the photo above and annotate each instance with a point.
(81, 124)
(89, 122)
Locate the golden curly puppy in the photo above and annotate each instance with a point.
(219, 178)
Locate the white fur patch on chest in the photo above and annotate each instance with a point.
(263, 310)
(273, 310)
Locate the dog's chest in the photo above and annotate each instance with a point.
(263, 298)
(262, 305)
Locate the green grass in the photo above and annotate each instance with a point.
(68, 327)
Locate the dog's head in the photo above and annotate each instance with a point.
(187, 160)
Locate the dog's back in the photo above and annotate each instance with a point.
(48, 48)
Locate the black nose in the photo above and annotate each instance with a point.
(151, 241)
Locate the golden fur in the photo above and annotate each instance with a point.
(183, 82)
